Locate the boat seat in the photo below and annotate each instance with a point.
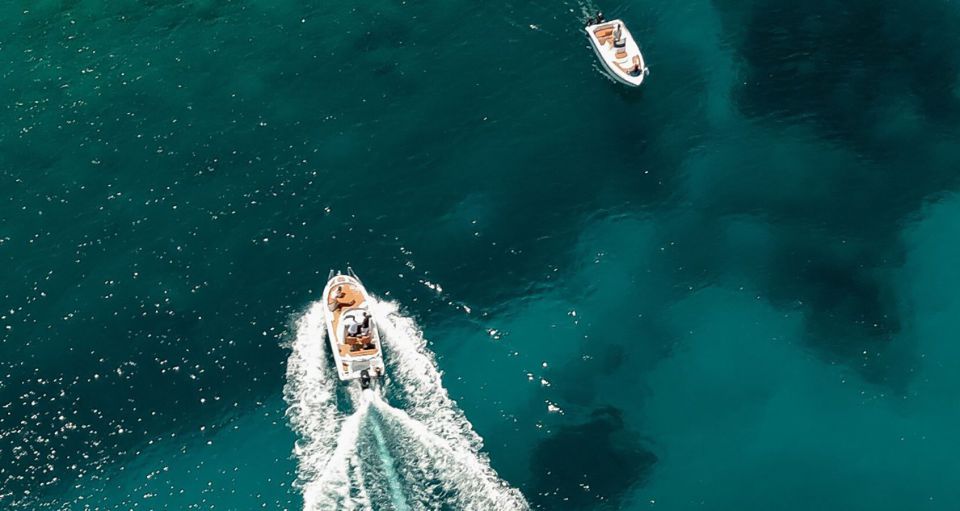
(357, 346)
(621, 54)
(360, 341)
(353, 345)
(604, 35)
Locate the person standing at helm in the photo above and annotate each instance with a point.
(365, 324)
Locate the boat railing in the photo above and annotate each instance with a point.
(354, 275)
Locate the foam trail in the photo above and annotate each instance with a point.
(587, 8)
(425, 456)
(438, 430)
(396, 493)
(311, 396)
(333, 486)
(363, 497)
(324, 455)
(467, 479)
(414, 370)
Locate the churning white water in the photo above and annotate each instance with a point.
(365, 453)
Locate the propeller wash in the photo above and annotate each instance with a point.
(356, 451)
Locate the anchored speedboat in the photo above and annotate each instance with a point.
(354, 338)
(617, 50)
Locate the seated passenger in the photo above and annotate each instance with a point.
(354, 329)
(339, 299)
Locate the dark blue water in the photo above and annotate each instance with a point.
(733, 288)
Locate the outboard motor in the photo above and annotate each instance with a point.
(364, 379)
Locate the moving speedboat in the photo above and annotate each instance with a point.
(618, 51)
(354, 338)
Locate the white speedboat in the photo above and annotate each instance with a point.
(618, 51)
(354, 338)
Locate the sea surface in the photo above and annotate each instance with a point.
(734, 288)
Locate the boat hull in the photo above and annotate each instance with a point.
(611, 72)
(362, 364)
(606, 55)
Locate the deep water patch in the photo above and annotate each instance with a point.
(839, 63)
(589, 465)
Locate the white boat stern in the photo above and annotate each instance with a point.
(352, 333)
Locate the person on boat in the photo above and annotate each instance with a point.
(335, 298)
(354, 328)
(365, 336)
(599, 17)
(590, 21)
(340, 299)
(365, 324)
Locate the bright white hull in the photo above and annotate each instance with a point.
(351, 365)
(607, 54)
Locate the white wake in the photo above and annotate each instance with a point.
(364, 453)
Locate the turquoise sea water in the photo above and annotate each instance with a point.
(733, 288)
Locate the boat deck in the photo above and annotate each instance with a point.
(618, 51)
(343, 298)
